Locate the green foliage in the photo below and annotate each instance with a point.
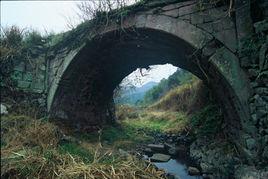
(159, 121)
(180, 77)
(12, 37)
(76, 150)
(18, 46)
(33, 38)
(124, 132)
(120, 135)
(208, 121)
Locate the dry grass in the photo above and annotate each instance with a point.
(126, 112)
(30, 148)
(128, 168)
(23, 131)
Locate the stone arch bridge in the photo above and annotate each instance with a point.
(204, 40)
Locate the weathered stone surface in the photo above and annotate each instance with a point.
(261, 26)
(160, 157)
(156, 147)
(249, 172)
(78, 81)
(228, 65)
(3, 109)
(251, 143)
(193, 171)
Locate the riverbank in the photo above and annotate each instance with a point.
(39, 148)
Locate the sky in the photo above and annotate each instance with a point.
(156, 73)
(52, 16)
(40, 15)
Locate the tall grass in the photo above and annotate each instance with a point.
(187, 98)
(33, 148)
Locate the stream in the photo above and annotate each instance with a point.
(177, 168)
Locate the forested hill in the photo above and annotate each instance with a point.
(178, 78)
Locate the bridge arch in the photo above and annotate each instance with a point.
(83, 79)
(84, 92)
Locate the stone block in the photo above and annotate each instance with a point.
(172, 13)
(178, 5)
(261, 26)
(197, 18)
(228, 38)
(254, 118)
(261, 113)
(251, 143)
(140, 20)
(188, 9)
(24, 84)
(20, 67)
(193, 171)
(28, 76)
(156, 147)
(17, 75)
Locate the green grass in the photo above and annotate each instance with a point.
(121, 135)
(159, 121)
(76, 150)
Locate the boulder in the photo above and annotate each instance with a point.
(123, 153)
(3, 110)
(160, 157)
(156, 147)
(193, 171)
(168, 146)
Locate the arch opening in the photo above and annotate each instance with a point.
(84, 96)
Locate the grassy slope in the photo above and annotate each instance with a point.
(186, 107)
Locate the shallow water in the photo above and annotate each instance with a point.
(176, 168)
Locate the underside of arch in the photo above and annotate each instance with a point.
(84, 93)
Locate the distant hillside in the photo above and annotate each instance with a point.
(189, 97)
(180, 77)
(133, 95)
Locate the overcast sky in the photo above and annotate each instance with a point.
(39, 15)
(50, 16)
